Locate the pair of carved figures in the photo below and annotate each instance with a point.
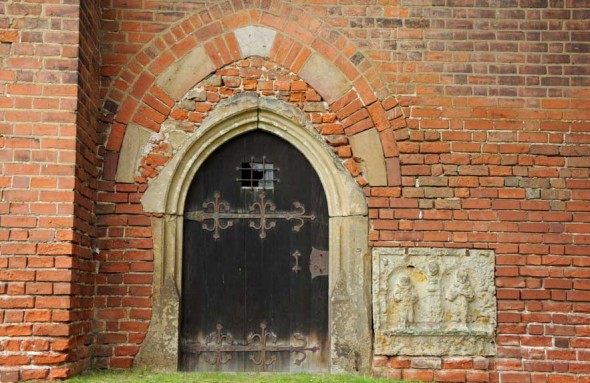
(459, 294)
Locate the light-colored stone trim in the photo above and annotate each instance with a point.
(325, 77)
(350, 266)
(185, 73)
(366, 145)
(136, 137)
(255, 40)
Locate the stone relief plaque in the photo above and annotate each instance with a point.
(430, 301)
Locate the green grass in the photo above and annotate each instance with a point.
(141, 376)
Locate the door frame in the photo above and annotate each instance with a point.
(349, 257)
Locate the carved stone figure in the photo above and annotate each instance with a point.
(461, 293)
(434, 294)
(405, 295)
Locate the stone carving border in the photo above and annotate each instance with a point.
(349, 257)
(434, 301)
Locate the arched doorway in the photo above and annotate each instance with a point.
(349, 303)
(255, 261)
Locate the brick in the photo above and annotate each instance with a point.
(450, 376)
(352, 167)
(389, 143)
(50, 359)
(16, 302)
(400, 362)
(380, 361)
(561, 378)
(378, 116)
(434, 147)
(477, 376)
(9, 36)
(35, 374)
(457, 363)
(418, 375)
(52, 302)
(60, 373)
(15, 330)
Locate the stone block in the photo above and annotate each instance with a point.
(350, 295)
(434, 302)
(136, 137)
(160, 348)
(255, 40)
(185, 73)
(367, 146)
(177, 138)
(325, 78)
(426, 363)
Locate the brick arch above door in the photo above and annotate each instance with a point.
(144, 151)
(156, 77)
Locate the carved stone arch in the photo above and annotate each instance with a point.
(350, 275)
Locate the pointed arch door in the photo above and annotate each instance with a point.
(255, 261)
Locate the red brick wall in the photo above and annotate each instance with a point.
(48, 98)
(495, 155)
(87, 169)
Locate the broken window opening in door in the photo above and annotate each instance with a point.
(257, 175)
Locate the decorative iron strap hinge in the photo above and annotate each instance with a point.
(262, 215)
(220, 345)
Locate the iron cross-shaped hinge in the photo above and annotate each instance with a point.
(262, 340)
(219, 208)
(262, 215)
(218, 347)
(265, 347)
(262, 344)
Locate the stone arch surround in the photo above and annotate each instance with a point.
(349, 306)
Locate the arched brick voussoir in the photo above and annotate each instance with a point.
(126, 141)
(185, 54)
(371, 136)
(174, 71)
(277, 15)
(319, 64)
(339, 80)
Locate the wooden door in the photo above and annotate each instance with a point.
(255, 261)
